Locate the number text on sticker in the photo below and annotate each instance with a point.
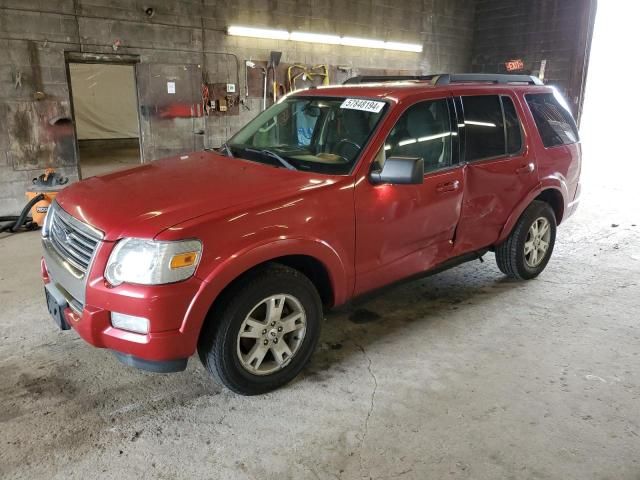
(361, 104)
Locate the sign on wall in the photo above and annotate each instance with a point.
(514, 65)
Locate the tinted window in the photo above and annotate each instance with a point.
(484, 127)
(424, 130)
(555, 123)
(512, 126)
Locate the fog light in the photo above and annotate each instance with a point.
(129, 322)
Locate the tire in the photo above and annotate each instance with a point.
(514, 256)
(234, 360)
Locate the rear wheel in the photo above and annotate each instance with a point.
(527, 250)
(265, 331)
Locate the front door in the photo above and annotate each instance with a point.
(402, 230)
(499, 172)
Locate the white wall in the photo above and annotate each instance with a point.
(104, 101)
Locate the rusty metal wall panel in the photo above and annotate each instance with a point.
(41, 135)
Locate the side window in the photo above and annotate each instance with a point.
(553, 119)
(424, 130)
(484, 127)
(512, 126)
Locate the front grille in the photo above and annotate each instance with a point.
(73, 240)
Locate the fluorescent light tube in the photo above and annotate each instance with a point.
(322, 38)
(403, 47)
(361, 42)
(315, 38)
(258, 32)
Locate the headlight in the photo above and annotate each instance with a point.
(149, 262)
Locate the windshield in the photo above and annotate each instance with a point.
(323, 135)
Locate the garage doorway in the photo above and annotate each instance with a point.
(105, 111)
(608, 124)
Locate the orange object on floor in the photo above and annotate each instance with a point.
(48, 184)
(40, 209)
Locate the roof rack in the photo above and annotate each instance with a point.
(449, 78)
(386, 78)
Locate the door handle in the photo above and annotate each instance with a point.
(528, 168)
(448, 186)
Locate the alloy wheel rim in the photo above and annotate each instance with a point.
(271, 334)
(536, 245)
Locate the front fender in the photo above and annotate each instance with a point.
(225, 272)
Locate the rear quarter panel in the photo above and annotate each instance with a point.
(558, 167)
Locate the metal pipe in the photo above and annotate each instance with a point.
(264, 90)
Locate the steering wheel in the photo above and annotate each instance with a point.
(346, 142)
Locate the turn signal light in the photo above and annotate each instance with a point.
(181, 260)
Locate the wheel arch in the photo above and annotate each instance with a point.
(549, 193)
(315, 259)
(554, 198)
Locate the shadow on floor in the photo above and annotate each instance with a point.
(431, 301)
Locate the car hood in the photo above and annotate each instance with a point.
(144, 201)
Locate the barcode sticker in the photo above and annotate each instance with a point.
(364, 105)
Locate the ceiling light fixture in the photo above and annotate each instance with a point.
(315, 38)
(258, 33)
(361, 42)
(403, 47)
(322, 38)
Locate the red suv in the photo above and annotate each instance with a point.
(327, 195)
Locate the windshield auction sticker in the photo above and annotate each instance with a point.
(364, 105)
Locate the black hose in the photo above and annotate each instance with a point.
(26, 209)
(22, 218)
(8, 226)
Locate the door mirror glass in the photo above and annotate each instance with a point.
(400, 170)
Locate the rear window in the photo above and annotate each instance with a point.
(553, 119)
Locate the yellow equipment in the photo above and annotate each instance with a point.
(296, 71)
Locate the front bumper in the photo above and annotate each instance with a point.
(169, 343)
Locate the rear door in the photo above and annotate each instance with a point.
(402, 230)
(499, 169)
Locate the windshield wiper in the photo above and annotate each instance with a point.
(271, 154)
(226, 149)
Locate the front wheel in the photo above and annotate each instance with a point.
(264, 332)
(527, 250)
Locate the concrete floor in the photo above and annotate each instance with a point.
(464, 375)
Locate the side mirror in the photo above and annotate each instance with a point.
(400, 170)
